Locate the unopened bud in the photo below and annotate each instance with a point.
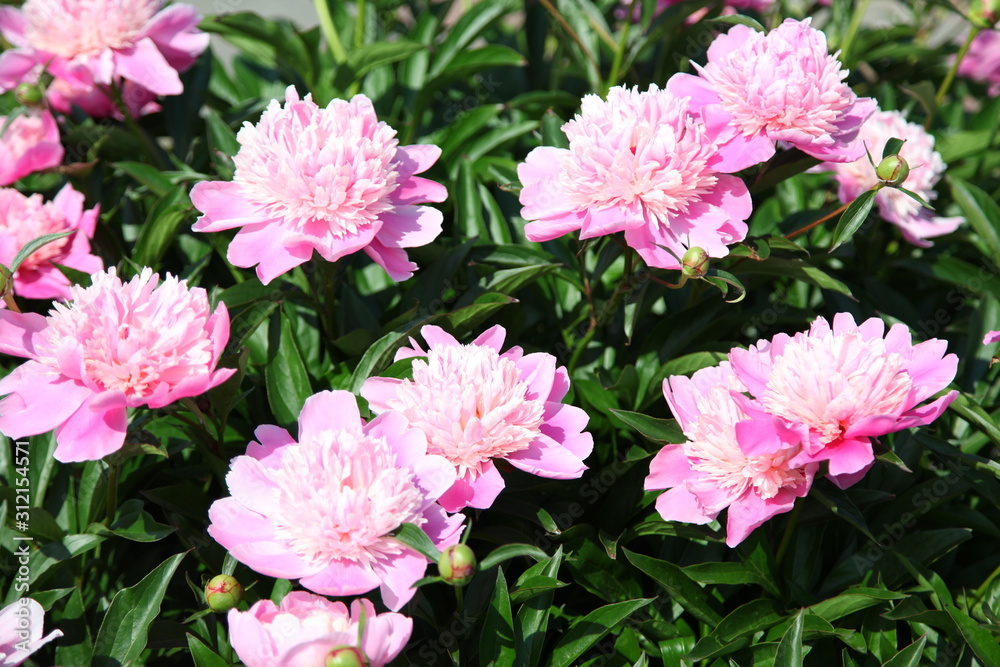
(457, 565)
(29, 94)
(985, 14)
(892, 170)
(346, 656)
(694, 263)
(223, 593)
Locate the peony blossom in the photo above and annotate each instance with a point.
(637, 163)
(304, 628)
(926, 167)
(991, 337)
(711, 471)
(91, 47)
(115, 346)
(982, 62)
(476, 405)
(21, 631)
(842, 386)
(29, 143)
(758, 89)
(25, 218)
(323, 509)
(333, 180)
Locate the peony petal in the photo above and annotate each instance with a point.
(143, 63)
(89, 435)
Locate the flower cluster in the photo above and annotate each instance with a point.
(99, 49)
(759, 425)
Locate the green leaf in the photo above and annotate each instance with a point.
(589, 630)
(533, 619)
(797, 269)
(161, 227)
(368, 57)
(852, 218)
(508, 281)
(473, 21)
(468, 63)
(909, 656)
(840, 504)
(204, 656)
(660, 431)
(415, 538)
(973, 413)
(379, 356)
(852, 600)
(983, 643)
(681, 588)
(285, 374)
(789, 652)
(122, 637)
(982, 212)
(508, 551)
(723, 280)
(737, 19)
(469, 317)
(781, 167)
(154, 179)
(496, 645)
(725, 573)
(32, 246)
(468, 206)
(735, 630)
(132, 523)
(892, 147)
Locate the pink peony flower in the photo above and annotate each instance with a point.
(991, 337)
(323, 509)
(115, 346)
(476, 405)
(637, 163)
(90, 47)
(982, 62)
(711, 471)
(332, 180)
(21, 631)
(926, 167)
(302, 630)
(24, 218)
(29, 143)
(783, 86)
(843, 386)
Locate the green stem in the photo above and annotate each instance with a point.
(359, 25)
(852, 30)
(330, 31)
(580, 347)
(816, 223)
(616, 64)
(786, 539)
(950, 76)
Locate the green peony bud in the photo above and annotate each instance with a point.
(457, 565)
(223, 593)
(985, 14)
(29, 94)
(892, 170)
(694, 263)
(346, 656)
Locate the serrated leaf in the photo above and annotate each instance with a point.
(852, 218)
(589, 630)
(122, 637)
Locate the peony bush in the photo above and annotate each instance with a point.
(513, 334)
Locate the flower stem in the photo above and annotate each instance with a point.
(330, 31)
(949, 78)
(816, 223)
(786, 539)
(852, 30)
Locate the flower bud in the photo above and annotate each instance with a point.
(892, 170)
(457, 565)
(985, 14)
(29, 94)
(223, 593)
(345, 656)
(694, 263)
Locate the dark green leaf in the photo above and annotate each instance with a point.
(737, 19)
(660, 431)
(681, 588)
(983, 642)
(415, 538)
(909, 656)
(589, 630)
(285, 374)
(982, 212)
(789, 652)
(32, 246)
(472, 22)
(852, 218)
(202, 655)
(508, 551)
(496, 645)
(533, 619)
(797, 269)
(892, 147)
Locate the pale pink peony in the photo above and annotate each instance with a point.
(322, 509)
(711, 471)
(476, 405)
(982, 62)
(637, 163)
(25, 218)
(333, 180)
(926, 167)
(302, 630)
(21, 631)
(115, 346)
(29, 143)
(758, 89)
(90, 46)
(991, 337)
(843, 386)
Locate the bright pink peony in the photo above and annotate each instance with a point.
(24, 218)
(711, 471)
(476, 405)
(301, 631)
(982, 62)
(843, 386)
(332, 180)
(323, 509)
(89, 46)
(115, 346)
(21, 631)
(783, 86)
(637, 163)
(29, 143)
(926, 167)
